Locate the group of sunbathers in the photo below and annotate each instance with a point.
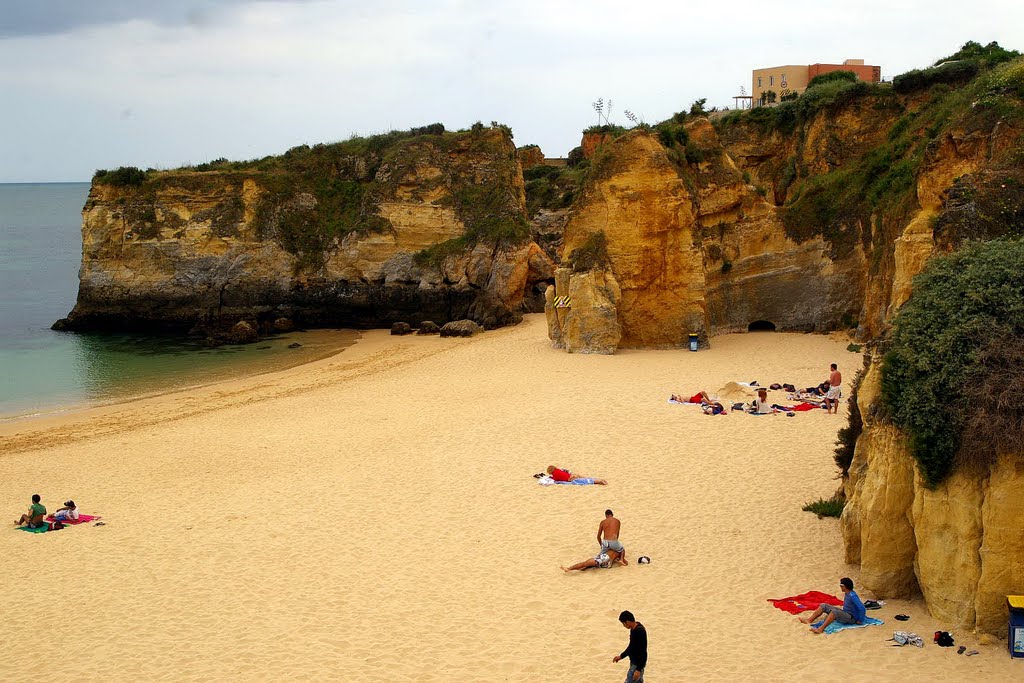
(35, 518)
(829, 390)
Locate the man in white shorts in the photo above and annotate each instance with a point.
(835, 378)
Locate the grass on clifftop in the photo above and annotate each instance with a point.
(952, 376)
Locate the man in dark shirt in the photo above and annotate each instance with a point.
(637, 650)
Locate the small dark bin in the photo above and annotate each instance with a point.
(694, 342)
(1015, 641)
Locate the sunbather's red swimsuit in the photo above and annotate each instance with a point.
(560, 475)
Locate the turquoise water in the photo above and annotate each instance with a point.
(43, 371)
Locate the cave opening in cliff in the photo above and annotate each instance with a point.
(761, 326)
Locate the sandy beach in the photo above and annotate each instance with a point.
(372, 516)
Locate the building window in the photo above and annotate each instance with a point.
(771, 81)
(759, 82)
(783, 78)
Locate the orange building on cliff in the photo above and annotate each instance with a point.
(793, 78)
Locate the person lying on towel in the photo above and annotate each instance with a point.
(852, 611)
(566, 476)
(68, 512)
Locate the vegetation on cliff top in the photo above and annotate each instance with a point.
(952, 375)
(870, 188)
(311, 197)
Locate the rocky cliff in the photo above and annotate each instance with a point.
(400, 227)
(812, 215)
(959, 544)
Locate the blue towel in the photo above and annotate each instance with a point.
(578, 482)
(836, 626)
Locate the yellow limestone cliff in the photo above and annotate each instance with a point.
(960, 545)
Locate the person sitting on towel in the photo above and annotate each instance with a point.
(35, 516)
(69, 511)
(565, 475)
(851, 613)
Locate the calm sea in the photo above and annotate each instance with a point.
(43, 371)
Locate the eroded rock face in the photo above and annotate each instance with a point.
(589, 324)
(186, 249)
(960, 545)
(696, 249)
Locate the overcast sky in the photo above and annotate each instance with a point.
(88, 84)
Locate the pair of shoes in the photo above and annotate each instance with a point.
(901, 617)
(971, 653)
(960, 650)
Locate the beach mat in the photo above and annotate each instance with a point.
(806, 601)
(836, 626)
(82, 519)
(37, 530)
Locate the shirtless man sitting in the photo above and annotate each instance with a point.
(604, 560)
(608, 536)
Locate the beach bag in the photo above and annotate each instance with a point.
(943, 639)
(775, 387)
(55, 526)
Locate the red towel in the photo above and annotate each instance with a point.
(805, 406)
(805, 601)
(82, 519)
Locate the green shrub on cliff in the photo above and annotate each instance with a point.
(951, 378)
(124, 176)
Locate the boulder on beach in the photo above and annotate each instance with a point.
(428, 327)
(242, 333)
(401, 329)
(461, 328)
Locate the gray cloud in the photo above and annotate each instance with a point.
(46, 17)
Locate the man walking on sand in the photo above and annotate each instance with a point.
(835, 378)
(852, 611)
(608, 536)
(637, 649)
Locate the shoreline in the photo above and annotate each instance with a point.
(251, 367)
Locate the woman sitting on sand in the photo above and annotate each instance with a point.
(567, 476)
(761, 406)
